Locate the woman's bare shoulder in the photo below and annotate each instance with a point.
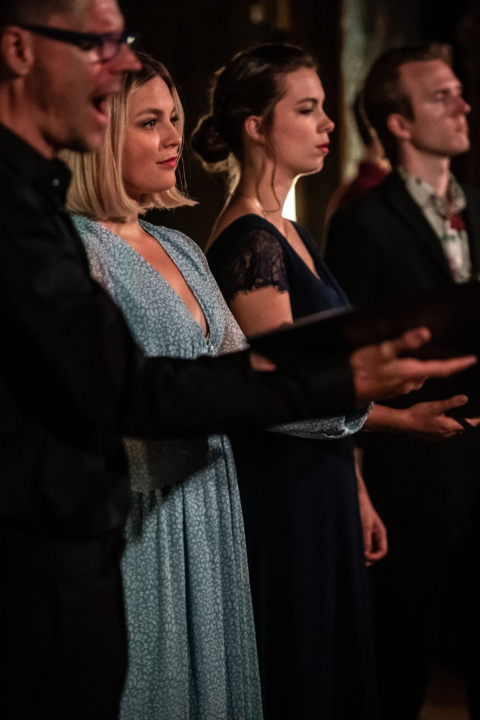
(235, 210)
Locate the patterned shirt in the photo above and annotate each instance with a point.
(443, 214)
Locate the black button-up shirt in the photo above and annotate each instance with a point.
(72, 380)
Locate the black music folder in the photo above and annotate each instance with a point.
(452, 315)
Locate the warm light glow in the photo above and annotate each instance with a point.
(290, 207)
(258, 13)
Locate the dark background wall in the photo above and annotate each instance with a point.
(196, 38)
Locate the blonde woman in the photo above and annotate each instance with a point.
(191, 640)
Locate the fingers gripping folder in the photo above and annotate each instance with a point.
(452, 315)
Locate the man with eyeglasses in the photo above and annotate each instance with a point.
(62, 642)
(72, 381)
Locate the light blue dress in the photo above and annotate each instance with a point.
(192, 653)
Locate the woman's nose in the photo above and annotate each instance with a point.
(173, 137)
(326, 124)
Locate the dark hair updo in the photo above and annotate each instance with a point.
(251, 84)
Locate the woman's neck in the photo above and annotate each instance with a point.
(269, 185)
(262, 190)
(128, 229)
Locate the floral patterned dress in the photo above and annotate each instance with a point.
(192, 653)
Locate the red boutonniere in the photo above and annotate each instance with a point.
(456, 222)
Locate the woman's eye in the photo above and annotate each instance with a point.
(150, 123)
(174, 120)
(306, 111)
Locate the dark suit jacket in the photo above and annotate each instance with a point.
(72, 380)
(382, 248)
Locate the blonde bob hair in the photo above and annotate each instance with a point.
(97, 189)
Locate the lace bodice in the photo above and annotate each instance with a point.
(251, 254)
(256, 263)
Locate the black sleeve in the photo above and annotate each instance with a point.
(352, 256)
(69, 356)
(256, 262)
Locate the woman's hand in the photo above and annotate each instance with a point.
(428, 421)
(380, 373)
(425, 420)
(375, 542)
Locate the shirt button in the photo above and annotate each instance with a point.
(55, 182)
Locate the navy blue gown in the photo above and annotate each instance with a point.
(302, 523)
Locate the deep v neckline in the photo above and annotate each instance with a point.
(206, 337)
(314, 273)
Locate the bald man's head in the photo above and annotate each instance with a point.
(15, 12)
(54, 91)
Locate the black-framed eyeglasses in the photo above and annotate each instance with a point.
(105, 47)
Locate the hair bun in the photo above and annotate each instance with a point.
(207, 142)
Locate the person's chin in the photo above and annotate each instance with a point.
(92, 131)
(154, 188)
(167, 179)
(461, 147)
(314, 168)
(92, 139)
(164, 187)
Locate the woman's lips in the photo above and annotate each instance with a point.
(170, 162)
(323, 148)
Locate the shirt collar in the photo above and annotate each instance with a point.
(425, 195)
(50, 177)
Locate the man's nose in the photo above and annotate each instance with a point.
(126, 60)
(463, 107)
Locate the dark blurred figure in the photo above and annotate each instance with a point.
(372, 168)
(417, 230)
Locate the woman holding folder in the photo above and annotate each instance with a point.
(298, 485)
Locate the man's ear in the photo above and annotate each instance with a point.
(253, 127)
(17, 51)
(399, 126)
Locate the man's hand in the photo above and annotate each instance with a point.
(379, 373)
(260, 363)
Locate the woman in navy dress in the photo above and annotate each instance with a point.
(298, 485)
(299, 491)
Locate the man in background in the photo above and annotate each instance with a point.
(418, 230)
(372, 168)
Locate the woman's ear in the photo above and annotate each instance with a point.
(253, 127)
(399, 126)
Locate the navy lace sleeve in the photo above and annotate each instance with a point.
(256, 262)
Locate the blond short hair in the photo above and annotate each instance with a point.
(97, 190)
